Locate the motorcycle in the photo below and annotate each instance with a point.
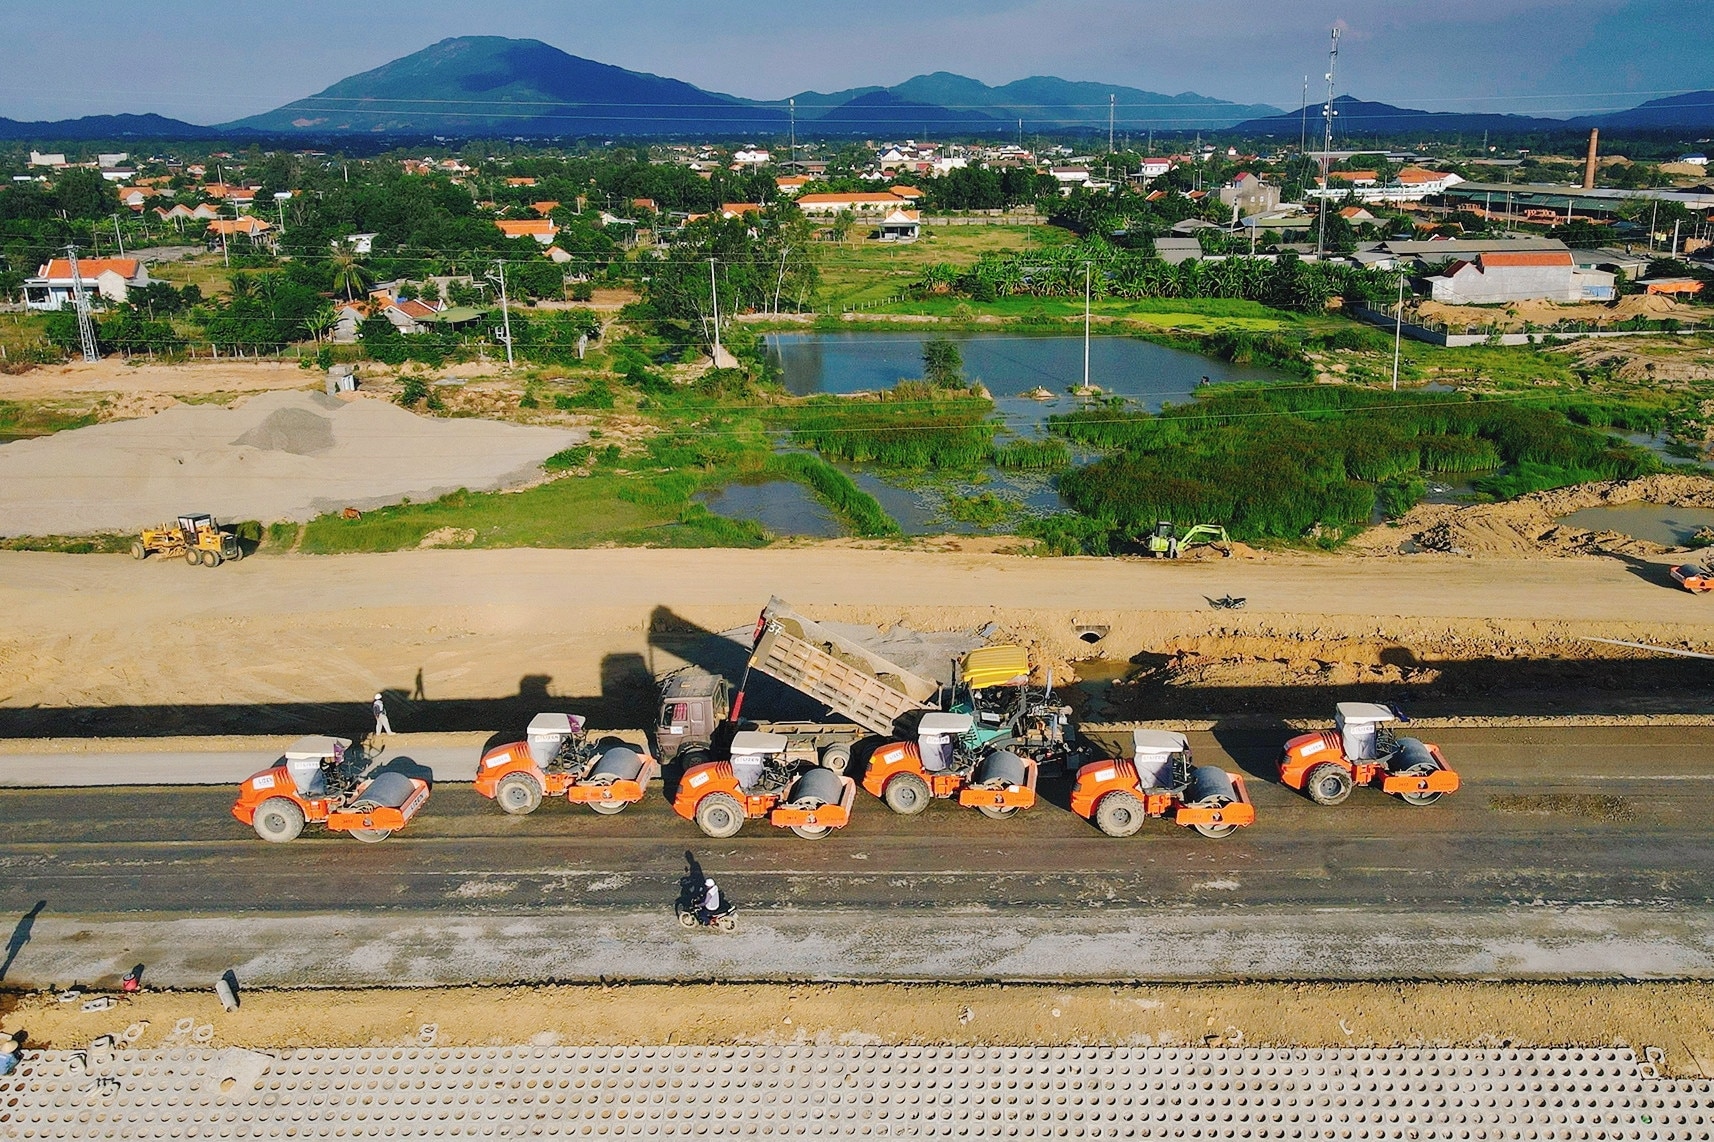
(724, 917)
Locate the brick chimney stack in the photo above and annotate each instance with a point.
(1589, 163)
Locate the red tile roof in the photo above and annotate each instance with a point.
(90, 268)
(1525, 258)
(526, 227)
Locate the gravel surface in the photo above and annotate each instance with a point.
(280, 456)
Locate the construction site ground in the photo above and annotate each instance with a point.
(1576, 849)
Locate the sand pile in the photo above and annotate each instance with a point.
(1513, 315)
(280, 456)
(1531, 524)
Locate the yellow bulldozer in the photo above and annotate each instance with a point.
(199, 538)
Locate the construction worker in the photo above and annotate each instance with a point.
(383, 725)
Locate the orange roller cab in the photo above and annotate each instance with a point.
(557, 759)
(319, 781)
(1160, 780)
(1361, 749)
(765, 777)
(945, 763)
(1694, 577)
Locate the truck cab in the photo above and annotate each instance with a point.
(694, 705)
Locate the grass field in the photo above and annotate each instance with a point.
(1191, 315)
(864, 270)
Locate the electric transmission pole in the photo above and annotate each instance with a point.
(80, 303)
(1112, 111)
(1327, 113)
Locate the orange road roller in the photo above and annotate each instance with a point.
(557, 759)
(1362, 750)
(317, 782)
(1161, 780)
(945, 762)
(1694, 577)
(768, 777)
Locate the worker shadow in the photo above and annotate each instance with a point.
(20, 936)
(1253, 746)
(690, 885)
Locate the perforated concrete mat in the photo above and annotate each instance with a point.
(855, 1092)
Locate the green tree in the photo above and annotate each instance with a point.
(348, 272)
(84, 194)
(942, 363)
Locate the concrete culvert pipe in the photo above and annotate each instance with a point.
(390, 790)
(1093, 634)
(617, 764)
(1209, 785)
(999, 769)
(818, 785)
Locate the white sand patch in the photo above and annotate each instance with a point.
(279, 456)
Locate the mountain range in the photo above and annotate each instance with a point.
(496, 87)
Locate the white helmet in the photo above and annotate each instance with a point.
(709, 882)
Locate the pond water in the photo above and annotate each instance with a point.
(1659, 445)
(1670, 526)
(1008, 364)
(781, 506)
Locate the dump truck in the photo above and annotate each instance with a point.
(1362, 750)
(198, 538)
(1161, 780)
(765, 776)
(984, 748)
(558, 759)
(319, 780)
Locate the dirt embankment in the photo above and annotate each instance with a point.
(1675, 1017)
(1530, 525)
(1513, 316)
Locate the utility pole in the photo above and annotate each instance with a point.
(80, 303)
(781, 284)
(792, 103)
(505, 313)
(1086, 291)
(1398, 328)
(1327, 113)
(714, 292)
(1112, 113)
(119, 236)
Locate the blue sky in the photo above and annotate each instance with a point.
(211, 62)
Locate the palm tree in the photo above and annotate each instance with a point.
(319, 322)
(348, 272)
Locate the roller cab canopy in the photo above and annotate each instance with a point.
(1363, 714)
(996, 666)
(315, 747)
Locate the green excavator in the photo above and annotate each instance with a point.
(1166, 542)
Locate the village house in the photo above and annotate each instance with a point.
(900, 226)
(222, 231)
(750, 157)
(1250, 195)
(739, 209)
(542, 230)
(792, 183)
(857, 202)
(110, 279)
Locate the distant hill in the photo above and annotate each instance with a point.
(1046, 102)
(1357, 119)
(884, 113)
(93, 127)
(490, 85)
(1694, 109)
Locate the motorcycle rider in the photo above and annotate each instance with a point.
(710, 906)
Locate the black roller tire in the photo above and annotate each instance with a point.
(518, 794)
(812, 832)
(1216, 832)
(998, 812)
(906, 794)
(719, 815)
(1328, 784)
(278, 819)
(608, 808)
(1119, 814)
(837, 758)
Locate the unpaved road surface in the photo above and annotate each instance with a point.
(99, 645)
(1571, 853)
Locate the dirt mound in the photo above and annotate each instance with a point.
(1531, 524)
(295, 430)
(1514, 315)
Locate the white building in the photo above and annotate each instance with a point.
(37, 159)
(1497, 278)
(111, 279)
